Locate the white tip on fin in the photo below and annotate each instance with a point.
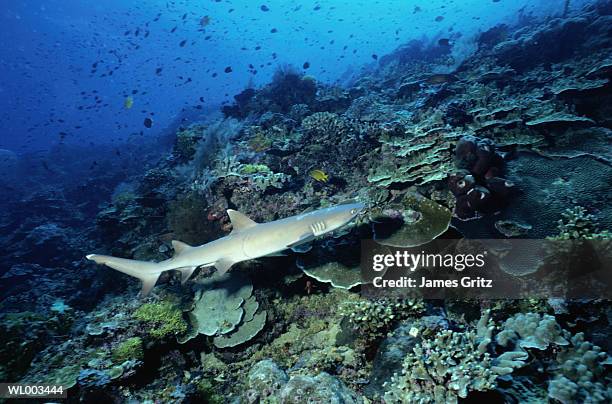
(223, 265)
(179, 246)
(240, 221)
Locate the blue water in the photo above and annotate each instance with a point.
(67, 66)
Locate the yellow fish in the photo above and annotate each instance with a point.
(319, 175)
(128, 102)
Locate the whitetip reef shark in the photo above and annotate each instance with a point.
(247, 240)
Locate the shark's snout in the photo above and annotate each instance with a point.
(355, 209)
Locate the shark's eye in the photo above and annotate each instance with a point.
(353, 211)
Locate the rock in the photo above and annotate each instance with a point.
(322, 388)
(265, 378)
(390, 357)
(268, 383)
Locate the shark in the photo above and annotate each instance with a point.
(248, 240)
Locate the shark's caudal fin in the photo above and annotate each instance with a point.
(147, 272)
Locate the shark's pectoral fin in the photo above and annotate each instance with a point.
(147, 285)
(223, 265)
(302, 248)
(277, 254)
(186, 273)
(304, 238)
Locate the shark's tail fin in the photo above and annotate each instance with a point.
(147, 272)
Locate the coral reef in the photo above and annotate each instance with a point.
(513, 140)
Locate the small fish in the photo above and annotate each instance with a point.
(182, 43)
(273, 31)
(148, 122)
(444, 42)
(306, 65)
(204, 21)
(375, 56)
(128, 102)
(228, 69)
(319, 175)
(264, 8)
(439, 18)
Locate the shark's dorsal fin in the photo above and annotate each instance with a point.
(240, 221)
(179, 246)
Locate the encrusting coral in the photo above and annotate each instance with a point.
(161, 319)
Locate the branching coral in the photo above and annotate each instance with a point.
(581, 375)
(443, 369)
(373, 318)
(531, 330)
(578, 224)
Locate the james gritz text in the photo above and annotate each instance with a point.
(406, 282)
